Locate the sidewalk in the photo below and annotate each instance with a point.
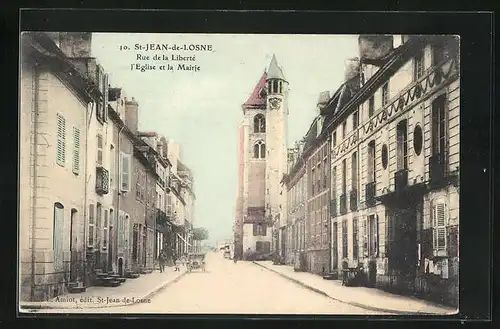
(368, 298)
(132, 291)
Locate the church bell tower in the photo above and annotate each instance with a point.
(276, 134)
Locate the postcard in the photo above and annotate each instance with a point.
(167, 173)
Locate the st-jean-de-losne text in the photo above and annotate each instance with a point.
(172, 47)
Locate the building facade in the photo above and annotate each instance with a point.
(263, 160)
(400, 150)
(296, 189)
(55, 99)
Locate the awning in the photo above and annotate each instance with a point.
(189, 244)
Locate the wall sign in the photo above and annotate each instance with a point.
(433, 81)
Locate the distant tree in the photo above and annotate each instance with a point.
(200, 233)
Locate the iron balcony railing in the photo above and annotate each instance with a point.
(102, 181)
(353, 200)
(343, 204)
(370, 194)
(401, 180)
(437, 168)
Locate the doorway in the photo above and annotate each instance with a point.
(334, 247)
(73, 272)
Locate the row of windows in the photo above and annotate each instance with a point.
(438, 146)
(439, 54)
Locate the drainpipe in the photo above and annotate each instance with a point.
(85, 208)
(119, 193)
(35, 180)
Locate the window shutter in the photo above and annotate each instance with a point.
(99, 150)
(125, 172)
(91, 225)
(76, 150)
(61, 140)
(434, 227)
(106, 95)
(365, 237)
(441, 227)
(377, 245)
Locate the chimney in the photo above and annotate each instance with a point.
(75, 44)
(132, 115)
(373, 47)
(159, 147)
(323, 99)
(351, 68)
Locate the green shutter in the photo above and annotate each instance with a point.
(61, 141)
(76, 150)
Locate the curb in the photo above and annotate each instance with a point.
(367, 307)
(150, 294)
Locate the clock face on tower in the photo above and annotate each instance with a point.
(274, 103)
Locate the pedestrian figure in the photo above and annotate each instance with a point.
(161, 260)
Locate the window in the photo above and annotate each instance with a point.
(372, 235)
(438, 126)
(259, 124)
(385, 94)
(418, 66)
(99, 150)
(439, 226)
(438, 54)
(259, 150)
(61, 141)
(354, 171)
(313, 180)
(98, 221)
(344, 129)
(58, 236)
(91, 226)
(385, 156)
(334, 139)
(76, 150)
(344, 174)
(325, 172)
(355, 120)
(402, 145)
(344, 239)
(417, 139)
(125, 169)
(334, 183)
(259, 229)
(111, 165)
(371, 106)
(105, 230)
(355, 231)
(371, 162)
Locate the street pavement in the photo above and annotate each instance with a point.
(229, 288)
(368, 298)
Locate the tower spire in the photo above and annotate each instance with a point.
(274, 71)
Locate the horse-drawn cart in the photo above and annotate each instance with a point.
(196, 261)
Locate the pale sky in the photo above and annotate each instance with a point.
(202, 110)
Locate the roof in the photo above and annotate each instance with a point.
(44, 50)
(256, 99)
(274, 71)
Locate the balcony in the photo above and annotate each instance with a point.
(162, 218)
(370, 194)
(343, 204)
(102, 181)
(353, 200)
(401, 180)
(437, 168)
(333, 207)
